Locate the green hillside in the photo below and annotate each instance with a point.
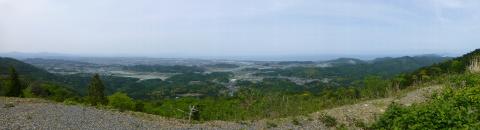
(457, 107)
(454, 66)
(26, 70)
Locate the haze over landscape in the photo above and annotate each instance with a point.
(240, 64)
(248, 28)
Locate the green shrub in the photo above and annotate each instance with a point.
(121, 101)
(139, 106)
(56, 92)
(27, 93)
(452, 109)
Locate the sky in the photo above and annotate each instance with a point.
(163, 28)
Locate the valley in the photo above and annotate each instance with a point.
(339, 93)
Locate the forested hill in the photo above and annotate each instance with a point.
(456, 107)
(457, 65)
(404, 64)
(345, 71)
(74, 84)
(27, 70)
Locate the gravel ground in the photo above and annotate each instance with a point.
(41, 114)
(31, 113)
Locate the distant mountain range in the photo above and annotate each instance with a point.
(319, 57)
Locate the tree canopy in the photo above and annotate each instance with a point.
(14, 86)
(95, 91)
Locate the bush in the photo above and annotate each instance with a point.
(139, 106)
(27, 93)
(121, 101)
(57, 93)
(37, 90)
(49, 91)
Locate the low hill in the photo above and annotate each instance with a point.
(344, 71)
(24, 69)
(456, 65)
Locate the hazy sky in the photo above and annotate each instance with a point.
(239, 27)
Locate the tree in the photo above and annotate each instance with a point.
(14, 87)
(95, 91)
(121, 101)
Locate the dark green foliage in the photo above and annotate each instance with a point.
(54, 92)
(28, 71)
(95, 93)
(36, 89)
(121, 101)
(14, 88)
(139, 106)
(49, 90)
(455, 108)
